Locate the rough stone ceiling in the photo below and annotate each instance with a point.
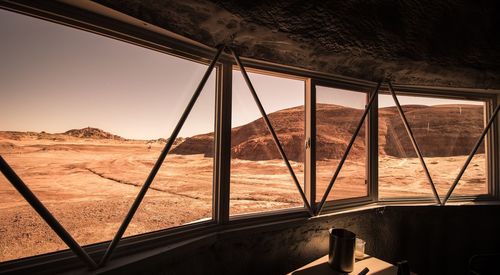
(437, 43)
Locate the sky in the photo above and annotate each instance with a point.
(55, 78)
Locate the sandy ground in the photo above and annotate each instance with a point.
(406, 178)
(89, 187)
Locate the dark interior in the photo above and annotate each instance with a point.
(450, 44)
(433, 239)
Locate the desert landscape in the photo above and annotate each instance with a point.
(88, 177)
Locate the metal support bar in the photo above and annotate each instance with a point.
(414, 142)
(472, 153)
(273, 133)
(372, 145)
(24, 190)
(348, 149)
(159, 162)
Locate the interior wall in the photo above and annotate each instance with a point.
(438, 240)
(434, 239)
(276, 249)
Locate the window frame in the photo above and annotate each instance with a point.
(56, 13)
(97, 19)
(368, 125)
(236, 218)
(491, 151)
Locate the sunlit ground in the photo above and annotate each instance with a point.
(90, 186)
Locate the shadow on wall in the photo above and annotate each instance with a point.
(435, 240)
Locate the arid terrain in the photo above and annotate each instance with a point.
(88, 178)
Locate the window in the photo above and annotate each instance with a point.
(83, 119)
(338, 113)
(260, 180)
(445, 131)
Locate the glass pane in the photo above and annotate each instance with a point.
(84, 117)
(181, 192)
(446, 131)
(474, 179)
(400, 173)
(338, 113)
(260, 180)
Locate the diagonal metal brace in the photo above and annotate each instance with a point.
(472, 153)
(273, 133)
(348, 149)
(24, 190)
(160, 160)
(414, 142)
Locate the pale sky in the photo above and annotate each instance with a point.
(54, 78)
(387, 100)
(358, 100)
(274, 93)
(327, 95)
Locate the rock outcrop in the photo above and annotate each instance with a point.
(443, 130)
(92, 133)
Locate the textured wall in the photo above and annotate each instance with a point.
(256, 251)
(445, 43)
(435, 240)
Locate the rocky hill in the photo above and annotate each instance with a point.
(92, 133)
(253, 140)
(84, 133)
(444, 130)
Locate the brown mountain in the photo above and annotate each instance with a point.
(92, 133)
(88, 133)
(253, 141)
(444, 130)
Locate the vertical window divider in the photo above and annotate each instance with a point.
(222, 144)
(310, 142)
(372, 145)
(492, 151)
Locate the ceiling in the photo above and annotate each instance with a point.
(434, 43)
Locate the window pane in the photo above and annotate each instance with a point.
(474, 180)
(181, 192)
(83, 118)
(400, 172)
(338, 113)
(21, 228)
(446, 131)
(260, 180)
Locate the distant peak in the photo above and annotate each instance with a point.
(90, 132)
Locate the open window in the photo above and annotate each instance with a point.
(339, 112)
(260, 180)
